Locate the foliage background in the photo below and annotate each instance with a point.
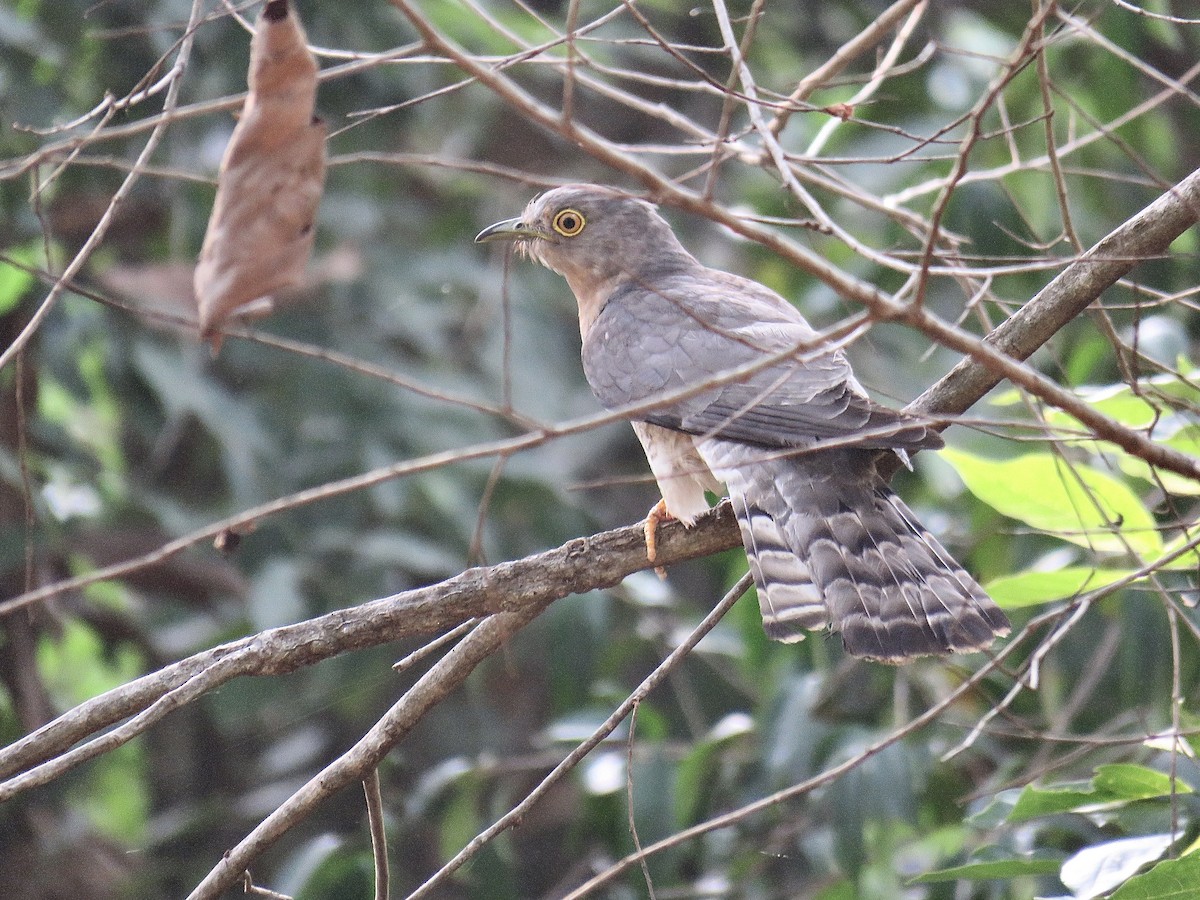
(118, 432)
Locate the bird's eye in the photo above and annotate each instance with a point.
(568, 222)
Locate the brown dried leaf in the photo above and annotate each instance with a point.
(261, 231)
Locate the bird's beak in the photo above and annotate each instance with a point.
(509, 230)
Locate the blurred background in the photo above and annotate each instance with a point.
(119, 431)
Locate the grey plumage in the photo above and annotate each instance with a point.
(829, 543)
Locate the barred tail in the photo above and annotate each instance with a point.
(829, 543)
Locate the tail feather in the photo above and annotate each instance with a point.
(789, 601)
(830, 544)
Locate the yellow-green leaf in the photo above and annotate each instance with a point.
(1032, 588)
(1133, 782)
(993, 869)
(15, 280)
(1072, 501)
(1189, 560)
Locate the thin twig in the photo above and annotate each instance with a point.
(443, 678)
(643, 690)
(637, 841)
(106, 219)
(870, 36)
(378, 834)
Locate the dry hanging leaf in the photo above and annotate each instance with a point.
(261, 231)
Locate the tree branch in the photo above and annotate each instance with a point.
(1146, 235)
(491, 604)
(580, 565)
(441, 679)
(993, 364)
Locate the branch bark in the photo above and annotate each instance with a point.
(580, 565)
(1146, 235)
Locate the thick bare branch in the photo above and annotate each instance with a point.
(577, 566)
(1146, 235)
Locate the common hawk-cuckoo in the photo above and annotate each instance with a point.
(796, 440)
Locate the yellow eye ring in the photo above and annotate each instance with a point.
(568, 222)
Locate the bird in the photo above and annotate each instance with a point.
(789, 431)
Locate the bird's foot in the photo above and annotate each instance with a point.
(659, 513)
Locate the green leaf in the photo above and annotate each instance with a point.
(1120, 403)
(1149, 406)
(1072, 501)
(1114, 783)
(1031, 588)
(997, 810)
(992, 869)
(326, 867)
(1037, 802)
(1188, 561)
(1172, 878)
(15, 281)
(1132, 782)
(1009, 397)
(1117, 401)
(1171, 482)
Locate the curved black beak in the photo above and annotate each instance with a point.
(509, 230)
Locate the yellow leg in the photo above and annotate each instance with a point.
(659, 513)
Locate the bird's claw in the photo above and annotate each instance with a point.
(658, 513)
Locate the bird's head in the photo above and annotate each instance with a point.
(592, 235)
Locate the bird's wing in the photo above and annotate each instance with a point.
(689, 328)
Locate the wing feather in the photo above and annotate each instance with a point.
(687, 331)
